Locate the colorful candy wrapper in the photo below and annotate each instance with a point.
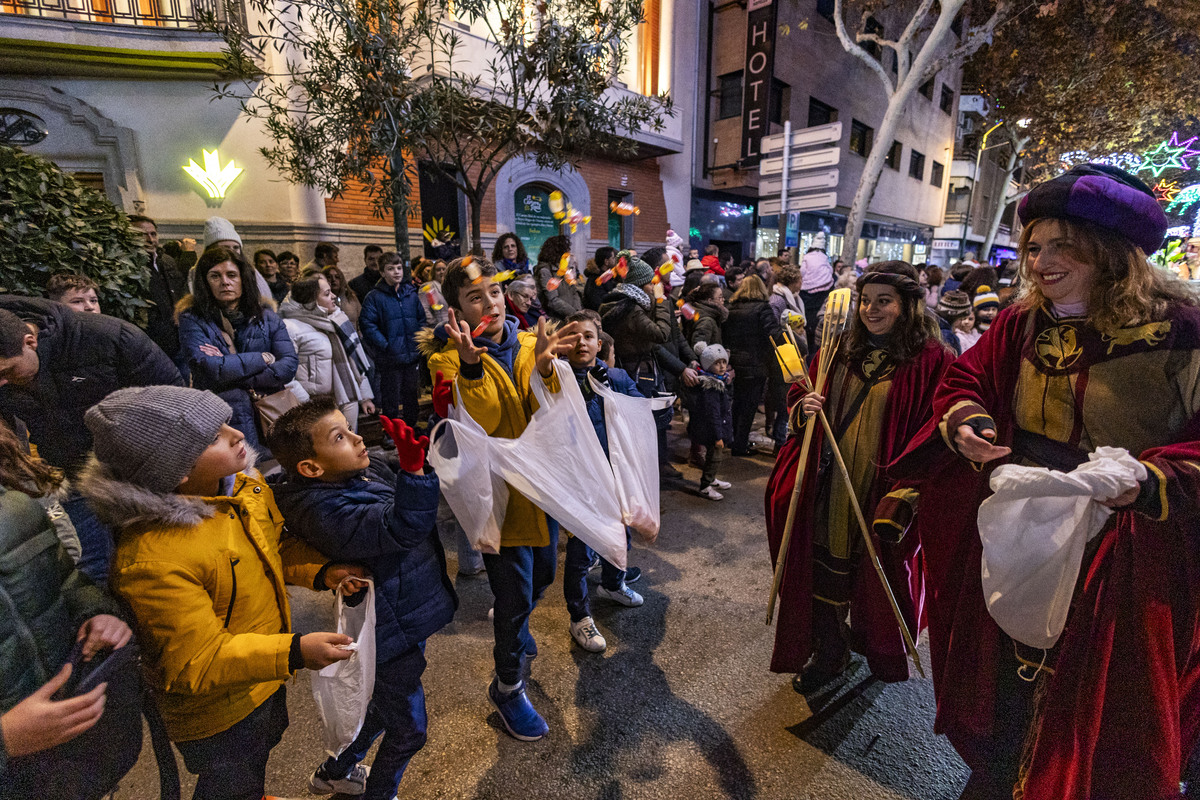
(473, 271)
(604, 277)
(622, 268)
(501, 277)
(564, 264)
(688, 311)
(431, 296)
(666, 269)
(483, 324)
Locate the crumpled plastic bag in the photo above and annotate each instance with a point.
(1034, 530)
(459, 452)
(343, 689)
(630, 425)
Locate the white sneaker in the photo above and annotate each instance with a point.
(711, 493)
(586, 636)
(491, 614)
(354, 783)
(625, 596)
(760, 439)
(720, 484)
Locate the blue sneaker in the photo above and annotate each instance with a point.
(520, 718)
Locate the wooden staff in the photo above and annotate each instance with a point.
(909, 644)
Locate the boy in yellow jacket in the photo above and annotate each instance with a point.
(493, 363)
(199, 560)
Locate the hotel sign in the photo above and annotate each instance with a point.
(760, 68)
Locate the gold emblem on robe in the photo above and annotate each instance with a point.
(1058, 347)
(877, 361)
(1152, 334)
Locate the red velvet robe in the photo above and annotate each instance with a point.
(873, 625)
(1121, 712)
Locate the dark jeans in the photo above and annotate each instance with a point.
(747, 394)
(813, 303)
(575, 570)
(662, 421)
(712, 461)
(95, 540)
(400, 386)
(397, 710)
(777, 389)
(232, 764)
(518, 577)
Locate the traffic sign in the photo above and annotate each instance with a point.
(805, 137)
(828, 157)
(804, 202)
(825, 179)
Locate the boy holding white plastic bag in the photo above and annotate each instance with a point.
(491, 363)
(355, 507)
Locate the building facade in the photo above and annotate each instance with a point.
(814, 81)
(123, 90)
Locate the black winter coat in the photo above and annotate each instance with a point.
(711, 418)
(636, 331)
(747, 335)
(82, 359)
(167, 286)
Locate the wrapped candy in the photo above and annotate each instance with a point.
(432, 296)
(487, 320)
(622, 267)
(506, 275)
(688, 311)
(557, 204)
(604, 277)
(473, 271)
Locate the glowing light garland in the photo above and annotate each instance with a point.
(1185, 146)
(1165, 191)
(1184, 199)
(1163, 158)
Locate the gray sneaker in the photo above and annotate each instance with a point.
(624, 595)
(355, 782)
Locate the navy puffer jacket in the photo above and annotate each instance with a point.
(233, 375)
(389, 322)
(386, 520)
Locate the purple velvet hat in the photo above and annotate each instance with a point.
(1103, 195)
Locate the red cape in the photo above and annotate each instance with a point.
(873, 624)
(1122, 710)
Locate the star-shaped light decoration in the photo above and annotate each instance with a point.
(1163, 158)
(1165, 191)
(1189, 151)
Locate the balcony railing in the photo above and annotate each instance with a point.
(148, 13)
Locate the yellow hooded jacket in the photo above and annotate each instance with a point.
(205, 579)
(502, 406)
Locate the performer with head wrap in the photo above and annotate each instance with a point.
(1100, 349)
(880, 390)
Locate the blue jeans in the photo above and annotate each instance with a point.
(400, 387)
(232, 764)
(95, 540)
(397, 710)
(518, 577)
(575, 570)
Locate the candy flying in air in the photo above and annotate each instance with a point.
(487, 320)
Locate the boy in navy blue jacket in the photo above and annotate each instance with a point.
(585, 361)
(341, 500)
(391, 316)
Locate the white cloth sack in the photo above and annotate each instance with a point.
(630, 425)
(343, 689)
(1034, 530)
(558, 463)
(460, 454)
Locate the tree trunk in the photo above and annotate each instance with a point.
(400, 205)
(476, 202)
(1014, 158)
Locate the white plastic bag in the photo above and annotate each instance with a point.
(343, 689)
(460, 453)
(630, 424)
(1034, 530)
(558, 464)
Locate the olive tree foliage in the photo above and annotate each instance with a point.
(332, 82)
(926, 45)
(542, 85)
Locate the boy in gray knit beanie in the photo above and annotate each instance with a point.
(201, 561)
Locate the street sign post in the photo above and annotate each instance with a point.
(806, 160)
(825, 179)
(803, 202)
(805, 137)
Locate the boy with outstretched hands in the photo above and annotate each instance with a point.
(356, 507)
(202, 561)
(492, 363)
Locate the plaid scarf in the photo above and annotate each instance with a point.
(350, 362)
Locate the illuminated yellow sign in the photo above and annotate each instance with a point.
(212, 176)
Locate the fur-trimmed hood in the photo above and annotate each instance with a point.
(121, 505)
(187, 301)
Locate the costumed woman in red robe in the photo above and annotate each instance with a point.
(1101, 348)
(880, 392)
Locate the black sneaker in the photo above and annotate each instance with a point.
(633, 574)
(669, 472)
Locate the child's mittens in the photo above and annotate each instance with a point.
(409, 449)
(443, 395)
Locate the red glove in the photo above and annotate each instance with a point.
(409, 449)
(443, 395)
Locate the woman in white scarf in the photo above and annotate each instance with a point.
(332, 359)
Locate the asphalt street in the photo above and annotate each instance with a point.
(681, 705)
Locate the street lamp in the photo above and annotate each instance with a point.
(962, 245)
